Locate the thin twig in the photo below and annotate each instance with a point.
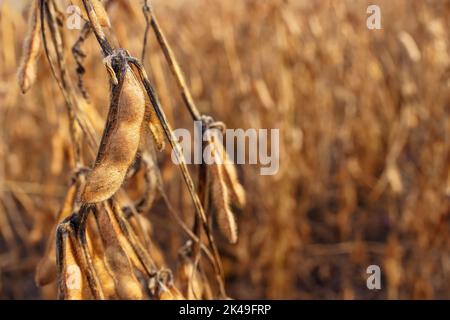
(146, 10)
(173, 65)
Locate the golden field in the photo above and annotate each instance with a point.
(364, 119)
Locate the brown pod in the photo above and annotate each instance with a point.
(123, 240)
(221, 201)
(117, 262)
(127, 285)
(98, 252)
(106, 280)
(220, 194)
(142, 227)
(237, 192)
(161, 286)
(120, 141)
(154, 125)
(148, 174)
(31, 49)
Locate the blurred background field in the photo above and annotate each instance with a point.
(364, 119)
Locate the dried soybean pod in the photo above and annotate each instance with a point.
(190, 276)
(97, 249)
(142, 227)
(102, 15)
(99, 9)
(237, 192)
(123, 241)
(220, 196)
(120, 140)
(106, 280)
(127, 286)
(31, 48)
(46, 268)
(154, 125)
(151, 179)
(221, 201)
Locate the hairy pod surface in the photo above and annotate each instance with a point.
(120, 141)
(98, 254)
(117, 262)
(46, 268)
(113, 213)
(31, 49)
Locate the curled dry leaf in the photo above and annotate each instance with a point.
(120, 141)
(144, 231)
(31, 49)
(98, 252)
(113, 212)
(127, 285)
(155, 127)
(237, 192)
(221, 202)
(189, 275)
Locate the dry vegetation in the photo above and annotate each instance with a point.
(364, 166)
